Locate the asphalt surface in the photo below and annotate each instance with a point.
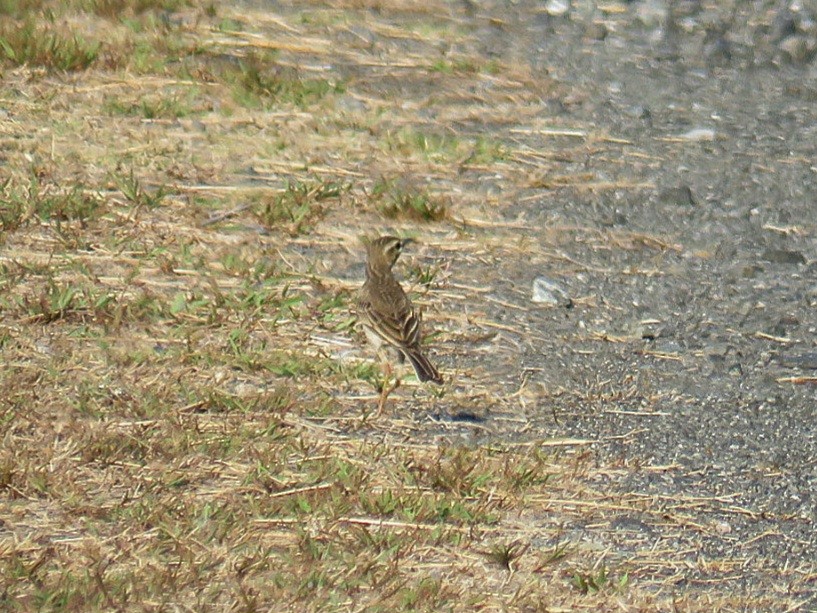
(708, 357)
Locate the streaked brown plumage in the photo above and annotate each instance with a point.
(386, 311)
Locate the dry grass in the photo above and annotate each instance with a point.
(186, 419)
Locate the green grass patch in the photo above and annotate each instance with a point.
(118, 9)
(45, 46)
(111, 9)
(39, 37)
(19, 8)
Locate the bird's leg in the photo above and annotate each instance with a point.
(387, 388)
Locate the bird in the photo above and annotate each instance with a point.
(386, 312)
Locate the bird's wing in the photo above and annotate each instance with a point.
(400, 328)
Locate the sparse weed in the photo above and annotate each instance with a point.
(333, 312)
(422, 595)
(596, 581)
(14, 208)
(455, 471)
(396, 202)
(230, 25)
(136, 194)
(441, 148)
(486, 151)
(504, 554)
(145, 306)
(192, 304)
(47, 203)
(291, 364)
(78, 204)
(298, 206)
(365, 371)
(534, 471)
(557, 553)
(278, 401)
(150, 108)
(54, 302)
(269, 298)
(424, 275)
(463, 65)
(258, 80)
(431, 146)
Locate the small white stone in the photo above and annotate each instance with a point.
(548, 292)
(699, 134)
(557, 8)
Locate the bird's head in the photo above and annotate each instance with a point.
(385, 250)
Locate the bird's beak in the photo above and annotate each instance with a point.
(407, 241)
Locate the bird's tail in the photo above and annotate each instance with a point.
(425, 370)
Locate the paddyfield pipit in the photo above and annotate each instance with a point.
(386, 312)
